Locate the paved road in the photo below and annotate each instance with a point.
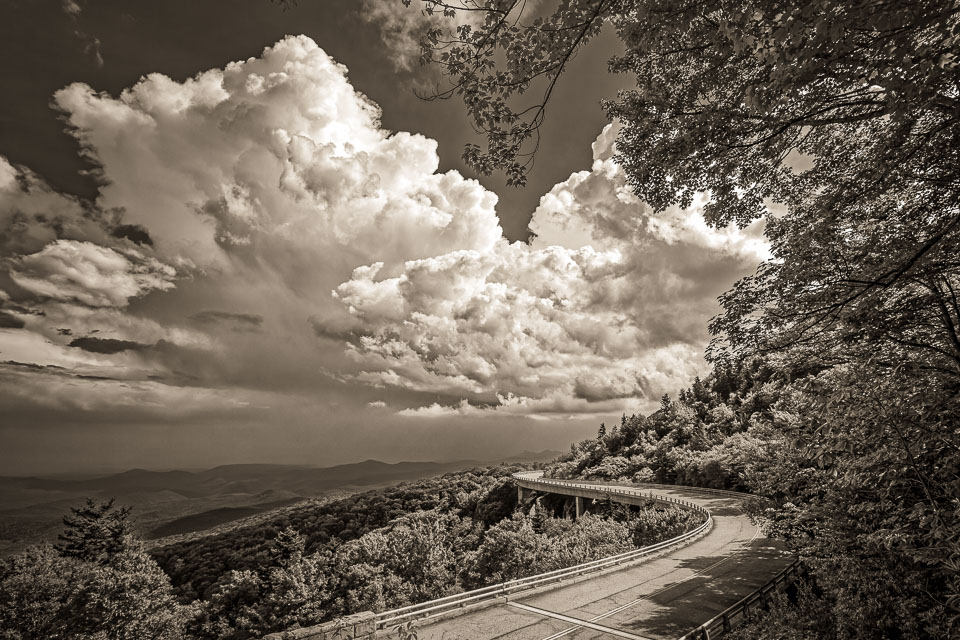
(662, 598)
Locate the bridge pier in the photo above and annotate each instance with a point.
(523, 494)
(580, 508)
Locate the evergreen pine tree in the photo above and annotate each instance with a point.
(95, 532)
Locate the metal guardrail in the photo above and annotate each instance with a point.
(439, 606)
(725, 621)
(720, 492)
(674, 487)
(535, 476)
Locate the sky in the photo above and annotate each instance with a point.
(230, 232)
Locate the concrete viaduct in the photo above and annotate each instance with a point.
(583, 492)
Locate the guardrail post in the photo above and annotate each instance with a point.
(726, 622)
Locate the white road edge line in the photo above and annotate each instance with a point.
(578, 621)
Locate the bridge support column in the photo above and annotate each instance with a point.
(580, 508)
(523, 494)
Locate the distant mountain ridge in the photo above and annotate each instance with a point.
(175, 502)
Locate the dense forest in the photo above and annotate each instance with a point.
(309, 563)
(195, 565)
(718, 433)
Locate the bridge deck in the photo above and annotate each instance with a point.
(662, 598)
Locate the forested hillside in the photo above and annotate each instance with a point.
(183, 502)
(718, 433)
(194, 566)
(311, 562)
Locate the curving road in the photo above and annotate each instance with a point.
(662, 598)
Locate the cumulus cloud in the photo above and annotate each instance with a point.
(257, 229)
(598, 208)
(231, 205)
(274, 158)
(555, 406)
(605, 308)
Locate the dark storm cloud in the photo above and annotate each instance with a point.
(134, 233)
(33, 366)
(598, 391)
(339, 329)
(106, 345)
(27, 311)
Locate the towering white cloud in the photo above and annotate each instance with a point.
(247, 192)
(604, 310)
(276, 158)
(258, 233)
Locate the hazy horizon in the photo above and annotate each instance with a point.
(110, 471)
